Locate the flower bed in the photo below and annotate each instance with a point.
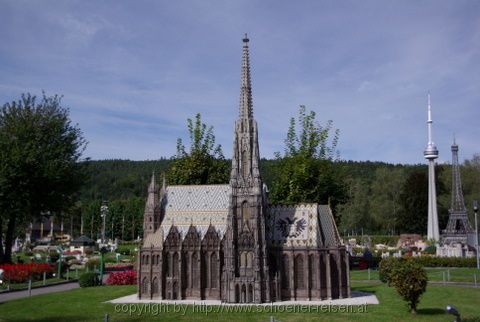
(20, 273)
(122, 278)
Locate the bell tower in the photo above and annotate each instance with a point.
(152, 213)
(246, 278)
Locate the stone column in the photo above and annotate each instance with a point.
(328, 275)
(339, 269)
(317, 266)
(347, 269)
(291, 276)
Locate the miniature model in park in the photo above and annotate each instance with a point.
(226, 242)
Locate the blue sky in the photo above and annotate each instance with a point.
(132, 72)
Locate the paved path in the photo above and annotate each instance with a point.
(7, 296)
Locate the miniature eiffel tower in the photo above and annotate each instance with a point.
(458, 227)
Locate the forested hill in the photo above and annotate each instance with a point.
(121, 179)
(374, 197)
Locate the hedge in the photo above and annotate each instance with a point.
(89, 279)
(434, 261)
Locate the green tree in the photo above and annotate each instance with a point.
(414, 203)
(408, 277)
(385, 198)
(39, 170)
(306, 173)
(204, 163)
(354, 214)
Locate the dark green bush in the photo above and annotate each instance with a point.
(385, 269)
(430, 250)
(409, 279)
(434, 261)
(124, 249)
(89, 279)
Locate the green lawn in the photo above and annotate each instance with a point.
(434, 274)
(16, 286)
(88, 305)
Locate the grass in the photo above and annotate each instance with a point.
(88, 305)
(434, 274)
(17, 286)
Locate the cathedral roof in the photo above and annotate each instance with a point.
(197, 205)
(304, 225)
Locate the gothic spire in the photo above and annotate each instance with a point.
(458, 203)
(153, 187)
(246, 104)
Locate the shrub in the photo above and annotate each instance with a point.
(122, 278)
(93, 262)
(124, 249)
(407, 276)
(385, 269)
(430, 250)
(89, 279)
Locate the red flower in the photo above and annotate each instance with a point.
(18, 273)
(122, 278)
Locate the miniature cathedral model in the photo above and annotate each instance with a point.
(226, 242)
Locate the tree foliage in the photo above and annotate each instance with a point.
(203, 163)
(306, 173)
(407, 276)
(39, 154)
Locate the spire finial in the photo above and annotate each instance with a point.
(246, 104)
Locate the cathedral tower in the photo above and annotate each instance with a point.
(431, 153)
(245, 276)
(152, 213)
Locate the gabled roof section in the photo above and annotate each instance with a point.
(196, 205)
(328, 229)
(304, 225)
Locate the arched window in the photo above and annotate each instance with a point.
(214, 271)
(299, 276)
(155, 286)
(158, 259)
(144, 286)
(243, 259)
(195, 271)
(175, 265)
(167, 264)
(237, 293)
(250, 259)
(147, 260)
(244, 164)
(250, 293)
(186, 270)
(245, 213)
(285, 272)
